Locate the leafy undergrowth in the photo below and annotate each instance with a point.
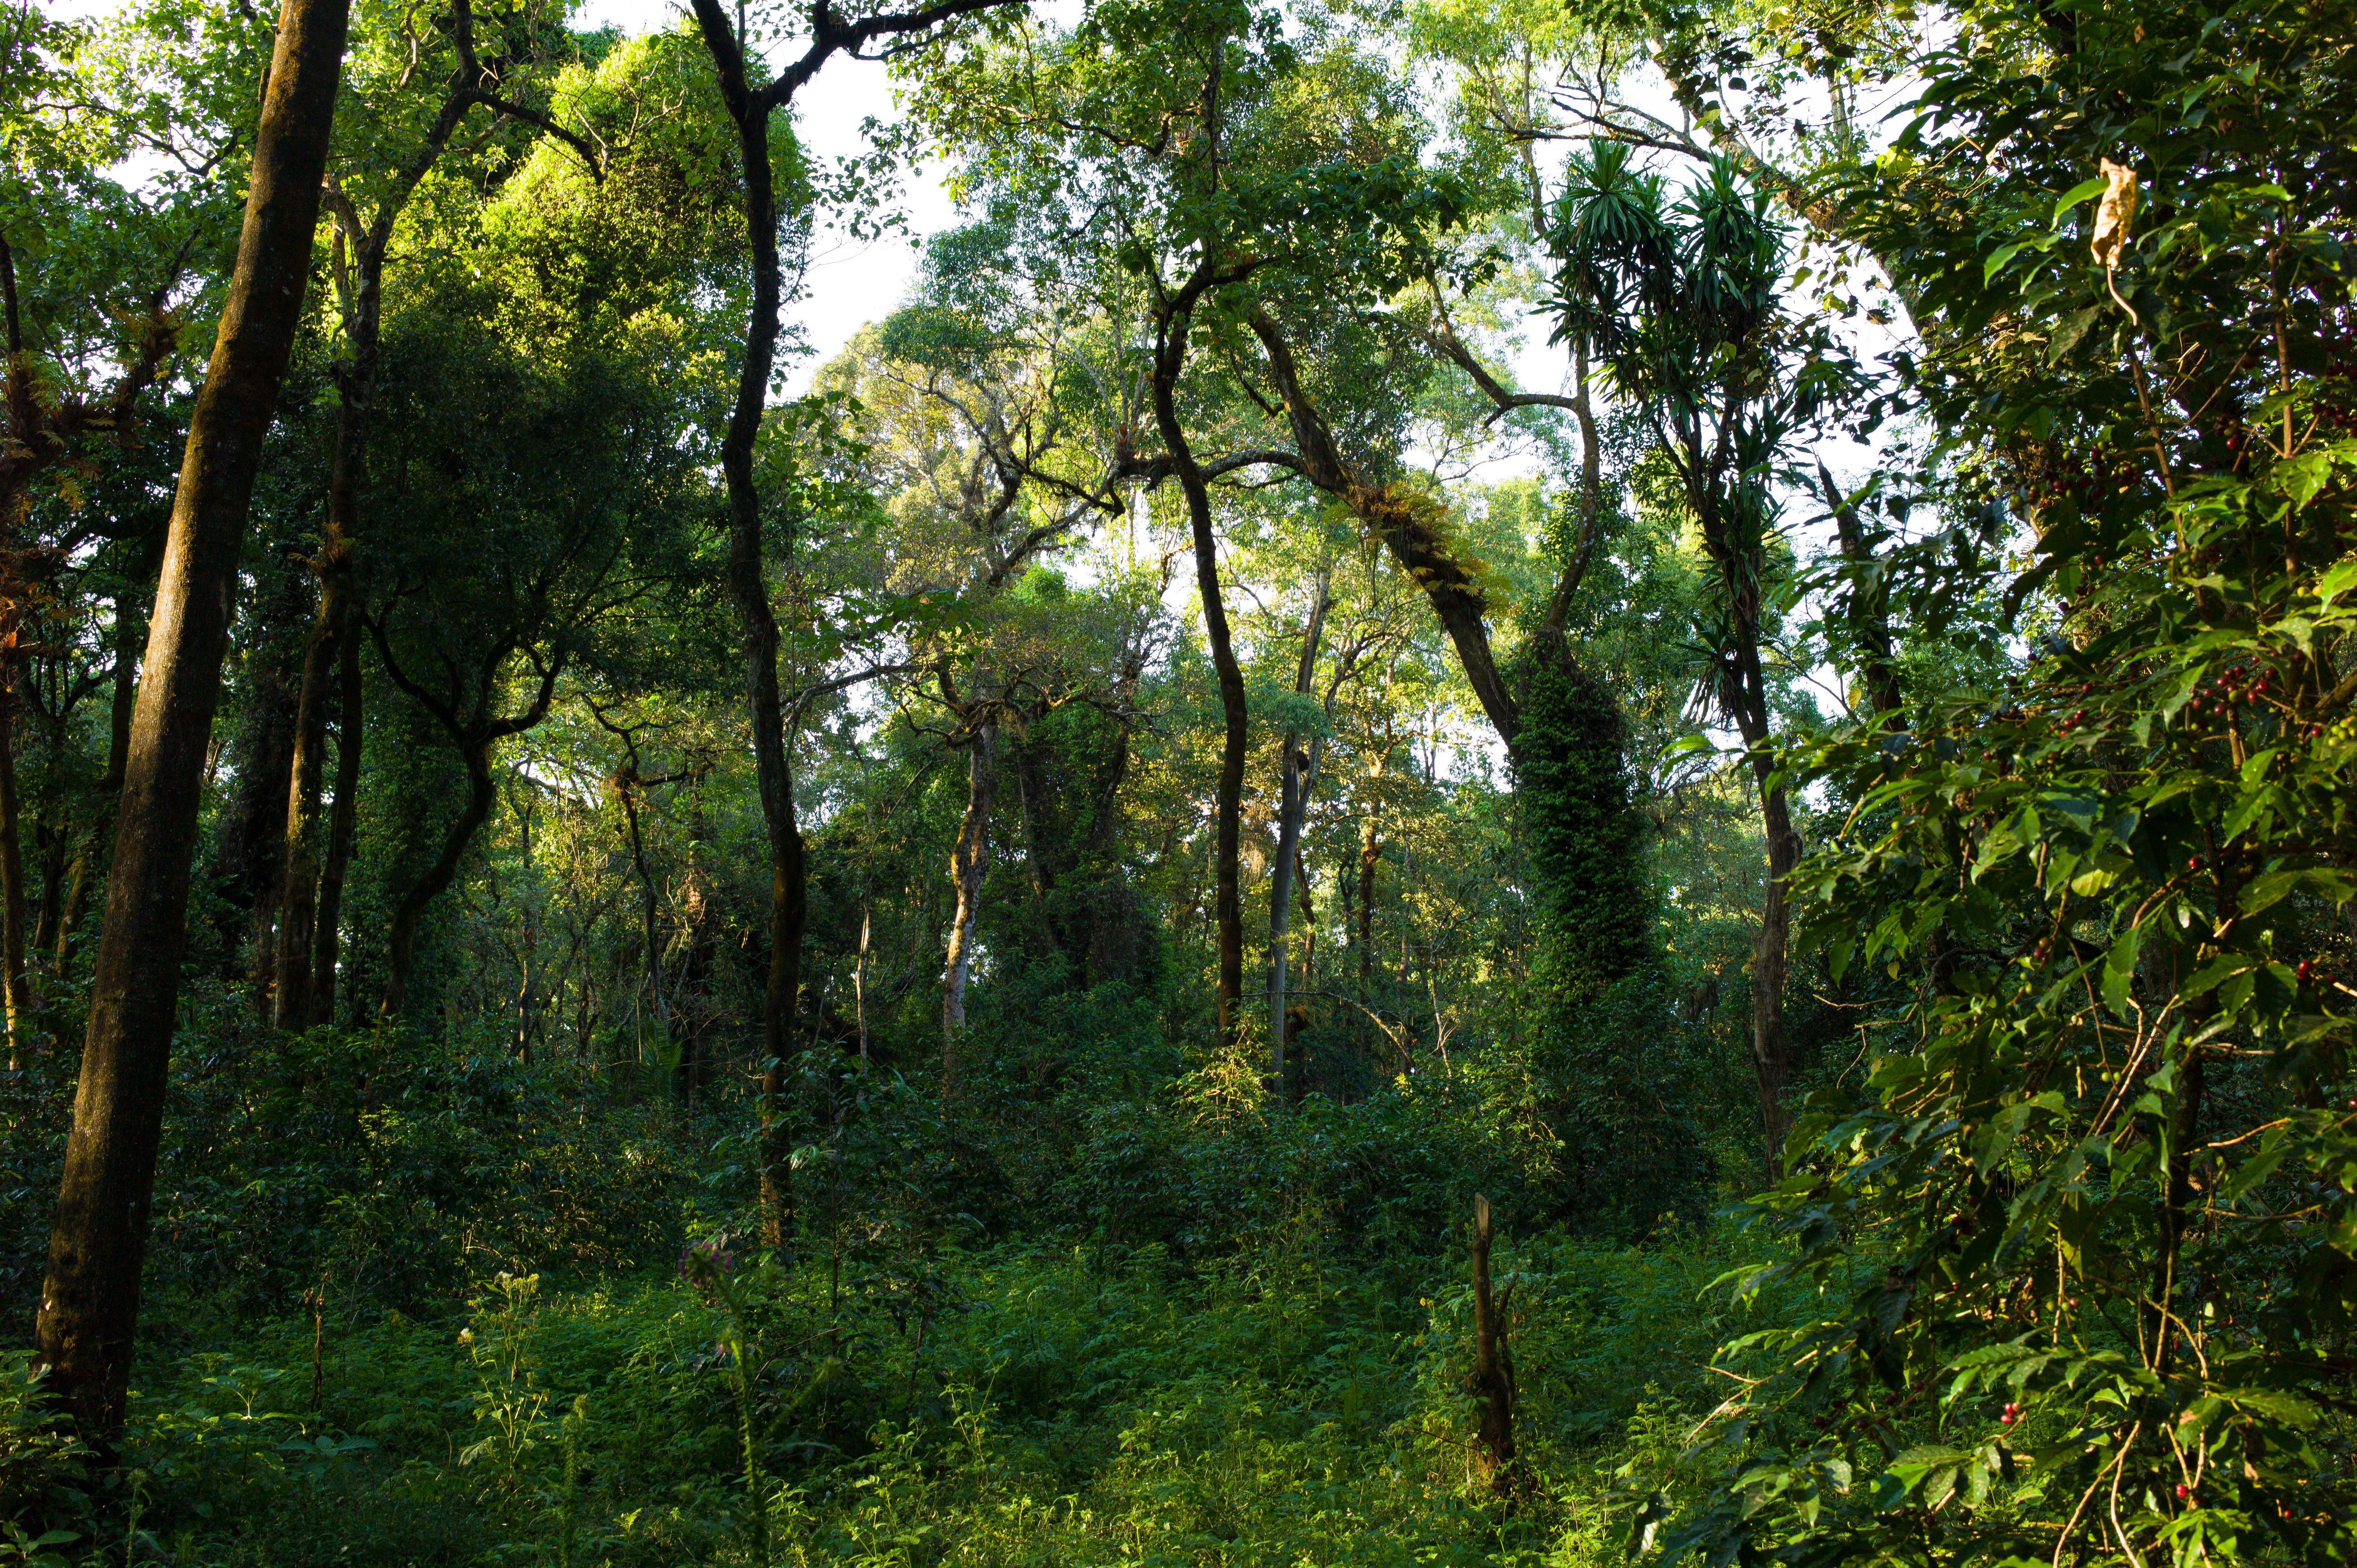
(1029, 1403)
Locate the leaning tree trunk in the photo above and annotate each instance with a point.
(90, 1300)
(969, 864)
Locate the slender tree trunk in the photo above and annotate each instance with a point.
(859, 977)
(1493, 1375)
(648, 911)
(756, 623)
(90, 1300)
(127, 638)
(1309, 916)
(749, 111)
(52, 843)
(1295, 782)
(1169, 359)
(299, 909)
(1370, 855)
(401, 943)
(342, 820)
(969, 864)
(18, 984)
(294, 964)
(1772, 1063)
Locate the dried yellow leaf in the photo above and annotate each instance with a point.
(2115, 214)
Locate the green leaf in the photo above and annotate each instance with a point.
(2068, 332)
(2252, 1171)
(2265, 891)
(1990, 268)
(2119, 969)
(2300, 477)
(2076, 195)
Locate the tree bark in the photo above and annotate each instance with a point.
(1370, 855)
(342, 819)
(250, 851)
(297, 934)
(90, 1300)
(969, 864)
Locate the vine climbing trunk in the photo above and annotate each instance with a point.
(90, 1300)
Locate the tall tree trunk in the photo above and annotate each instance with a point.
(401, 944)
(342, 819)
(53, 843)
(969, 864)
(1169, 359)
(749, 110)
(756, 623)
(1296, 778)
(293, 956)
(17, 984)
(90, 1300)
(652, 979)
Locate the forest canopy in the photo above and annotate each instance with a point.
(1517, 782)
